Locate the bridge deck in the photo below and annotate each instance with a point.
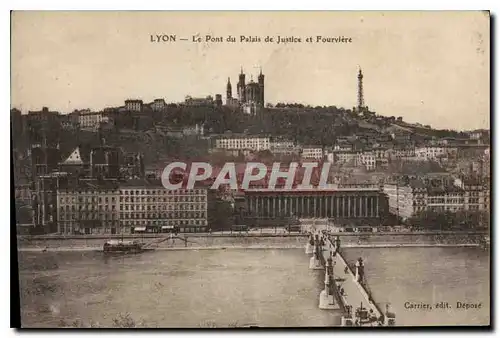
(354, 294)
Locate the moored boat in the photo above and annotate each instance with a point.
(120, 246)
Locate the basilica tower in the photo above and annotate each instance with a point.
(229, 90)
(241, 87)
(261, 87)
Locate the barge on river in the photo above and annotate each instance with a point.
(124, 247)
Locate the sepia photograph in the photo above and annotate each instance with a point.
(251, 169)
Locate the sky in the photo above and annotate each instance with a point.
(428, 67)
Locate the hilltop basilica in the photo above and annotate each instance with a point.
(250, 95)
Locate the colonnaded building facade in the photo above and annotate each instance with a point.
(366, 202)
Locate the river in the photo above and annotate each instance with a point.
(264, 287)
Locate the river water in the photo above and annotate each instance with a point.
(265, 287)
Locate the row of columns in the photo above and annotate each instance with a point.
(314, 206)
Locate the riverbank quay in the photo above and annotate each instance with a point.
(272, 233)
(200, 241)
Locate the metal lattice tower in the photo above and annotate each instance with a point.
(361, 100)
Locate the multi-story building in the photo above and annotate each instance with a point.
(343, 145)
(132, 207)
(88, 209)
(180, 132)
(16, 121)
(312, 153)
(475, 194)
(44, 115)
(345, 156)
(196, 130)
(199, 101)
(43, 136)
(255, 143)
(105, 162)
(282, 147)
(132, 166)
(381, 153)
(406, 201)
(455, 141)
(90, 120)
(148, 206)
(133, 105)
(45, 200)
(486, 190)
(447, 198)
(475, 135)
(44, 160)
(158, 105)
(367, 160)
(435, 152)
(69, 122)
(401, 152)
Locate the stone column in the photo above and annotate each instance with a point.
(348, 206)
(337, 202)
(320, 207)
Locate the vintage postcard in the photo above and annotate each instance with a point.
(251, 169)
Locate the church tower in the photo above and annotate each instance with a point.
(261, 87)
(229, 90)
(241, 87)
(361, 100)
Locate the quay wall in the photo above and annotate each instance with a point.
(251, 241)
